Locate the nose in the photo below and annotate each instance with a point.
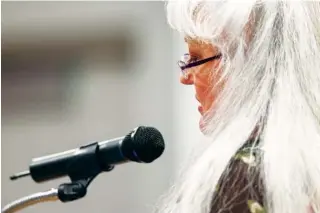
(187, 79)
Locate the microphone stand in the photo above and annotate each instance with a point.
(66, 192)
(51, 195)
(81, 172)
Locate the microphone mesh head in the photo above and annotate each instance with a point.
(144, 144)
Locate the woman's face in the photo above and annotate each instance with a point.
(204, 77)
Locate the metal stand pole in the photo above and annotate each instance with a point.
(51, 195)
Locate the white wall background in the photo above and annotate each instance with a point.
(77, 72)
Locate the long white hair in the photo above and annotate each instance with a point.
(271, 74)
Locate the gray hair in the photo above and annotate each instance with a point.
(270, 65)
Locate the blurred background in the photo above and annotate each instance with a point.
(78, 72)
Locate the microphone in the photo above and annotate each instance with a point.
(142, 145)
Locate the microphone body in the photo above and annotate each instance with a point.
(142, 145)
(59, 164)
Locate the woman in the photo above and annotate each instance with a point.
(255, 69)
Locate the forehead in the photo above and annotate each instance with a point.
(200, 45)
(194, 41)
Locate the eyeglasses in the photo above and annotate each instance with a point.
(184, 64)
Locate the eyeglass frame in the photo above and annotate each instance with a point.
(184, 65)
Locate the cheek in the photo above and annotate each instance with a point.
(204, 85)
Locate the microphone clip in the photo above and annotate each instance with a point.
(82, 170)
(86, 163)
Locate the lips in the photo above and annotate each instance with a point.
(200, 109)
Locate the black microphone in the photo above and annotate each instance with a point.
(142, 145)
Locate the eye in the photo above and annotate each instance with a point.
(192, 59)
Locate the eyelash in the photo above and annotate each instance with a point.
(193, 59)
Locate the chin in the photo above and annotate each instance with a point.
(202, 125)
(203, 122)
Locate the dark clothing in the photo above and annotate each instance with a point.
(239, 190)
